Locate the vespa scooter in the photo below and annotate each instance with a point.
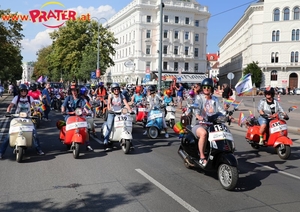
(154, 124)
(170, 117)
(141, 114)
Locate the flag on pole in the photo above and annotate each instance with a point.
(45, 79)
(244, 85)
(88, 106)
(236, 104)
(40, 79)
(242, 118)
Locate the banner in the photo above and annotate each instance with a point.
(244, 85)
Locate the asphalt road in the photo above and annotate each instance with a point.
(152, 178)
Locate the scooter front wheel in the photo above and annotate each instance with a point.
(76, 150)
(228, 176)
(152, 132)
(283, 151)
(126, 146)
(19, 154)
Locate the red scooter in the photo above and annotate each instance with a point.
(141, 113)
(276, 136)
(75, 132)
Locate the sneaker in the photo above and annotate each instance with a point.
(89, 148)
(145, 133)
(40, 152)
(261, 142)
(166, 135)
(203, 162)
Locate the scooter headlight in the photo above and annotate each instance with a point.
(22, 115)
(78, 112)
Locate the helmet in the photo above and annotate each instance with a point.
(208, 82)
(101, 84)
(83, 90)
(168, 92)
(271, 91)
(191, 93)
(138, 89)
(33, 87)
(114, 85)
(151, 89)
(92, 85)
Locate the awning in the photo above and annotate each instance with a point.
(186, 77)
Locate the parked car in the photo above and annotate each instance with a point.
(297, 91)
(281, 91)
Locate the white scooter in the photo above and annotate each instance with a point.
(21, 133)
(170, 117)
(91, 124)
(121, 130)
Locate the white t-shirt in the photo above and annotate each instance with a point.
(24, 105)
(116, 103)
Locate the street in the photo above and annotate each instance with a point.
(151, 178)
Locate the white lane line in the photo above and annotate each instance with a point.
(96, 139)
(167, 191)
(277, 170)
(3, 128)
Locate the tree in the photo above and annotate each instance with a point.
(74, 50)
(10, 49)
(256, 73)
(41, 65)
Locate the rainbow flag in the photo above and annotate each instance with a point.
(228, 101)
(244, 86)
(87, 106)
(292, 108)
(242, 118)
(42, 107)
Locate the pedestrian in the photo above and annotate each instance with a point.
(46, 101)
(226, 91)
(179, 95)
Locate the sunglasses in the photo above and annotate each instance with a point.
(23, 90)
(116, 89)
(206, 87)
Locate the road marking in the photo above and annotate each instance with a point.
(96, 139)
(277, 170)
(167, 191)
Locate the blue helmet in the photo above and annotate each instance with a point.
(83, 90)
(101, 84)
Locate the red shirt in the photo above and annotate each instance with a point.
(34, 94)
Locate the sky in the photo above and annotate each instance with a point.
(223, 16)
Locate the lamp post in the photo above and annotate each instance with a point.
(98, 72)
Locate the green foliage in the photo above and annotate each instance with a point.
(256, 73)
(42, 64)
(74, 50)
(10, 49)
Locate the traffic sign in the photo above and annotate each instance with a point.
(93, 75)
(129, 64)
(230, 75)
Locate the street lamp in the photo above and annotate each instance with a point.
(98, 46)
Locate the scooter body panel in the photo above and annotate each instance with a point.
(155, 119)
(283, 140)
(21, 132)
(75, 125)
(170, 113)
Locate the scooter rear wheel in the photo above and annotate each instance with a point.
(152, 132)
(76, 150)
(228, 176)
(283, 151)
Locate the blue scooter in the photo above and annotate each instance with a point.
(155, 122)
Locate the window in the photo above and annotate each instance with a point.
(293, 34)
(296, 13)
(176, 35)
(273, 36)
(274, 57)
(148, 64)
(186, 50)
(148, 35)
(297, 34)
(165, 51)
(165, 66)
(196, 37)
(186, 66)
(166, 18)
(286, 14)
(186, 35)
(187, 20)
(176, 50)
(292, 57)
(148, 49)
(176, 19)
(196, 52)
(175, 66)
(165, 33)
(148, 18)
(197, 23)
(196, 67)
(276, 15)
(274, 75)
(296, 57)
(277, 35)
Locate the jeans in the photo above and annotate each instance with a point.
(261, 120)
(5, 143)
(46, 112)
(109, 125)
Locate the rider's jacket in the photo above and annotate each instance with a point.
(208, 107)
(101, 92)
(269, 108)
(168, 100)
(71, 104)
(35, 94)
(154, 101)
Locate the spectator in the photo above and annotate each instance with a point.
(10, 89)
(180, 95)
(226, 91)
(46, 101)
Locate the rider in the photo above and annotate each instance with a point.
(154, 99)
(208, 106)
(23, 103)
(93, 89)
(267, 108)
(101, 94)
(114, 103)
(34, 92)
(70, 104)
(138, 96)
(168, 99)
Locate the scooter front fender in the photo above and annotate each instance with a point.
(126, 135)
(21, 141)
(228, 159)
(283, 140)
(77, 138)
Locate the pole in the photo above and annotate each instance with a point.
(98, 51)
(160, 47)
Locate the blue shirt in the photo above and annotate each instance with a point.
(137, 98)
(168, 100)
(71, 104)
(180, 91)
(46, 92)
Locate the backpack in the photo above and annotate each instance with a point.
(121, 95)
(230, 93)
(18, 100)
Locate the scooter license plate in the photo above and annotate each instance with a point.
(278, 128)
(75, 125)
(221, 135)
(142, 109)
(154, 116)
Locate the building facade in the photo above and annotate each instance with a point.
(267, 33)
(137, 28)
(28, 69)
